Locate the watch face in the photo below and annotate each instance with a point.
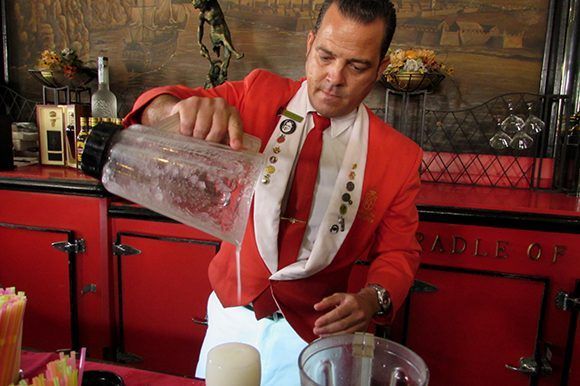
(382, 298)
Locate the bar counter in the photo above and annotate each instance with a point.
(34, 363)
(499, 280)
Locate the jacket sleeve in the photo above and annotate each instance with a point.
(395, 254)
(233, 92)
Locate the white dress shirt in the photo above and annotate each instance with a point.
(334, 142)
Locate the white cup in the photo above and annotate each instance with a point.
(233, 364)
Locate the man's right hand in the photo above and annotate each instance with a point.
(212, 119)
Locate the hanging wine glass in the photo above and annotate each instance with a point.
(500, 139)
(512, 123)
(521, 141)
(533, 124)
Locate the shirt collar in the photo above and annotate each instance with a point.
(338, 125)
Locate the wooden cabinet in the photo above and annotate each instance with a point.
(489, 313)
(53, 248)
(161, 291)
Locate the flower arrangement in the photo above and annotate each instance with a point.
(66, 61)
(418, 68)
(64, 68)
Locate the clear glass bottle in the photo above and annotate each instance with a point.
(202, 184)
(103, 101)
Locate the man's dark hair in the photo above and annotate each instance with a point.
(365, 11)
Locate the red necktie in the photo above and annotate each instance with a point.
(293, 222)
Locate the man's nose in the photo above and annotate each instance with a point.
(335, 74)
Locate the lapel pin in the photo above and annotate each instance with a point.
(292, 116)
(288, 126)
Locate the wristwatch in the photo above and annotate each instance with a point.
(383, 298)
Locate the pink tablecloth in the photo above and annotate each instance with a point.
(35, 362)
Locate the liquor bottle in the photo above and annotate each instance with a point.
(93, 121)
(81, 139)
(103, 101)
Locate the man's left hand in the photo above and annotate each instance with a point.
(347, 312)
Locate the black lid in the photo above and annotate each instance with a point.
(97, 148)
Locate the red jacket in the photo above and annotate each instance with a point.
(383, 231)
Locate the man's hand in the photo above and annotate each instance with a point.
(347, 312)
(212, 119)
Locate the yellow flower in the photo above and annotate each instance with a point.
(411, 54)
(421, 59)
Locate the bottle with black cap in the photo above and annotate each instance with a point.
(202, 184)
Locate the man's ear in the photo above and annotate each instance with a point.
(310, 41)
(383, 66)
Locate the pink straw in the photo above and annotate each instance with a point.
(82, 365)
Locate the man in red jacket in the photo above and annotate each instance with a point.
(339, 186)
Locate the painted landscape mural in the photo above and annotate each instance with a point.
(495, 46)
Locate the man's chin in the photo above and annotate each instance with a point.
(329, 110)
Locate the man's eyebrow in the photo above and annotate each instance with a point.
(364, 62)
(324, 50)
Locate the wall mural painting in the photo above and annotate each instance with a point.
(495, 46)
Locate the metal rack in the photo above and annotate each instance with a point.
(456, 142)
(65, 95)
(16, 106)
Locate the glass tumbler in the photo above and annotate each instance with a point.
(231, 364)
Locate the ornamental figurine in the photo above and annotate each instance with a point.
(211, 13)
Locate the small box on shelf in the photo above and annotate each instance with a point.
(59, 126)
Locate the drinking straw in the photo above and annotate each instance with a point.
(3, 334)
(60, 372)
(82, 365)
(11, 314)
(16, 334)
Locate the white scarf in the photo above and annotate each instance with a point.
(268, 197)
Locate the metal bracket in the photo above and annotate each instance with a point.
(89, 288)
(566, 303)
(125, 250)
(78, 246)
(201, 322)
(530, 366)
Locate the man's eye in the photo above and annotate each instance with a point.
(325, 58)
(357, 68)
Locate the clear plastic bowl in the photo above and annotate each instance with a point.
(360, 360)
